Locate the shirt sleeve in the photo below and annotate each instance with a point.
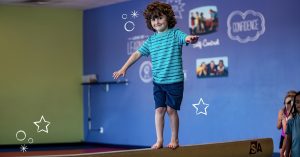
(144, 49)
(181, 37)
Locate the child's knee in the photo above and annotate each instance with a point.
(161, 110)
(171, 111)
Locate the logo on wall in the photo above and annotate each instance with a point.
(135, 42)
(129, 25)
(146, 71)
(177, 7)
(245, 27)
(255, 147)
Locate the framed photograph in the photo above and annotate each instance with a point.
(212, 67)
(203, 20)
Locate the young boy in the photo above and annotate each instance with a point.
(165, 49)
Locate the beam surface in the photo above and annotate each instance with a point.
(248, 148)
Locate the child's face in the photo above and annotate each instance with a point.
(297, 103)
(160, 24)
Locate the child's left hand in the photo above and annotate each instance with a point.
(192, 39)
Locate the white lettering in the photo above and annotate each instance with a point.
(245, 26)
(206, 43)
(132, 46)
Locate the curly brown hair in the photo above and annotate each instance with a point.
(156, 9)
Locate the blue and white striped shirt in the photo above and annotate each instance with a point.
(165, 50)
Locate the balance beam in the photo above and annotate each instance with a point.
(249, 148)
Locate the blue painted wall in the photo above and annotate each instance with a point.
(242, 105)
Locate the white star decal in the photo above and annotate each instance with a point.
(201, 105)
(134, 14)
(43, 123)
(23, 148)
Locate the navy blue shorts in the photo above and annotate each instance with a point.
(168, 95)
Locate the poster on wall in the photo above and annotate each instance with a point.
(203, 20)
(212, 67)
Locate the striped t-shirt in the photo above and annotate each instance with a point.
(165, 50)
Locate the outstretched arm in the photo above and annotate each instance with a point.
(191, 39)
(131, 60)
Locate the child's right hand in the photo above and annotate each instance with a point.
(192, 39)
(119, 73)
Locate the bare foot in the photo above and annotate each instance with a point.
(157, 145)
(173, 144)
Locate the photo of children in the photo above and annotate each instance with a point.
(203, 20)
(212, 67)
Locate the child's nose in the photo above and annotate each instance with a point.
(156, 21)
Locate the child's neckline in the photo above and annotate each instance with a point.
(164, 32)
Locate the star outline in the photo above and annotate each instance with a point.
(199, 103)
(44, 121)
